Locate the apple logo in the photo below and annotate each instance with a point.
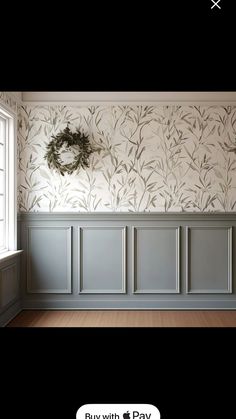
(126, 415)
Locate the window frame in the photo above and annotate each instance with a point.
(10, 181)
(4, 217)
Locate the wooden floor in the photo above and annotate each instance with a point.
(123, 318)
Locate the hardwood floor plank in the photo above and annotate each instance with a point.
(124, 318)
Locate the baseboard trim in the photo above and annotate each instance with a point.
(127, 305)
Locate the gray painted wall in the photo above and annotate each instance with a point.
(134, 261)
(156, 259)
(102, 260)
(10, 303)
(49, 259)
(209, 259)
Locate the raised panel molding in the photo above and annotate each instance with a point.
(175, 262)
(209, 260)
(102, 270)
(9, 285)
(56, 252)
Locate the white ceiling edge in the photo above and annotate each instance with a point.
(84, 98)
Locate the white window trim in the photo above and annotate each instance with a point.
(11, 181)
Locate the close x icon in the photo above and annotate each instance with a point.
(215, 4)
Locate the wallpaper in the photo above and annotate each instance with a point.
(8, 100)
(148, 158)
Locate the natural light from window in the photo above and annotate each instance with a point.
(7, 182)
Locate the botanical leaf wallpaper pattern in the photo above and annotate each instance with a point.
(148, 158)
(9, 101)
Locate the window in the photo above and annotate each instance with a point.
(3, 132)
(7, 182)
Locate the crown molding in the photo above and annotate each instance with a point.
(85, 98)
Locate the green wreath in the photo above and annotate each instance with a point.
(68, 138)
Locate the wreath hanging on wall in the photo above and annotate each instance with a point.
(62, 143)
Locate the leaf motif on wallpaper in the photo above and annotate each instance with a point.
(44, 173)
(218, 173)
(230, 149)
(157, 158)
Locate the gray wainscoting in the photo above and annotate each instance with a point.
(9, 288)
(49, 259)
(9, 284)
(128, 261)
(209, 259)
(156, 266)
(102, 260)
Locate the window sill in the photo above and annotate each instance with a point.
(9, 254)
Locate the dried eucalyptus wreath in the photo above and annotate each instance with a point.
(62, 143)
